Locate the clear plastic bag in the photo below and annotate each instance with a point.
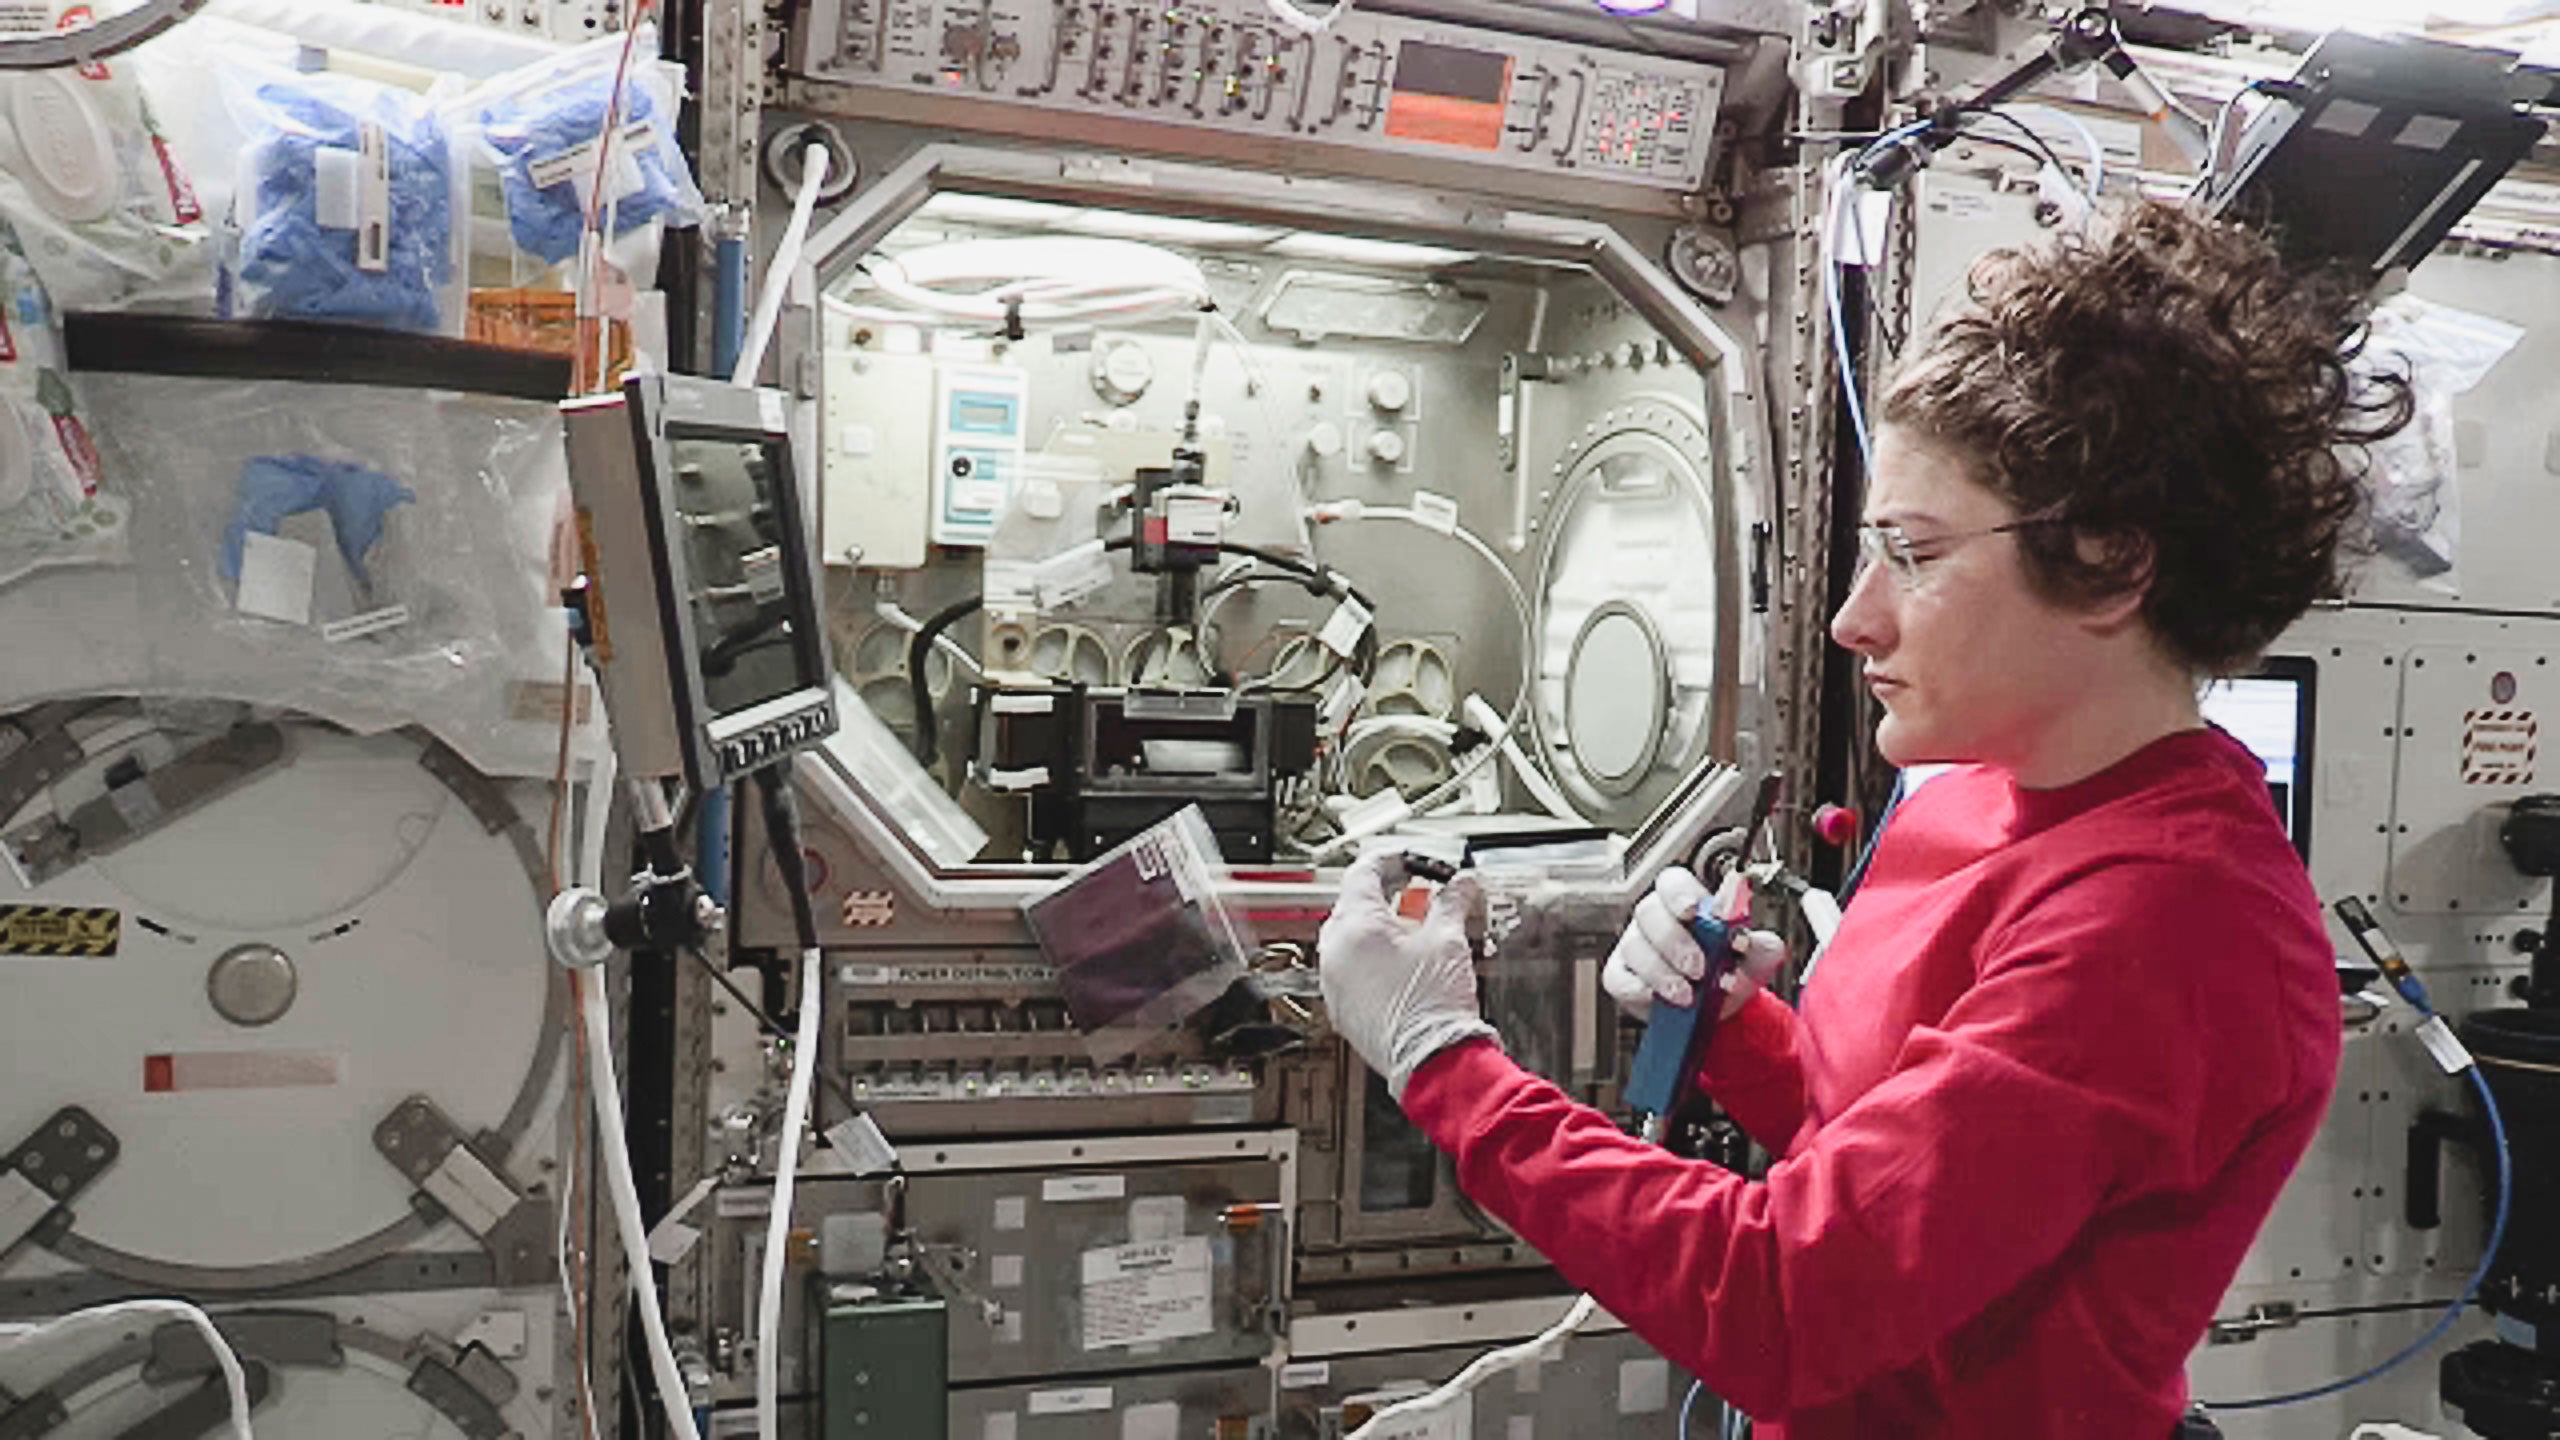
(2416, 512)
(100, 203)
(1141, 937)
(351, 551)
(55, 507)
(539, 127)
(352, 203)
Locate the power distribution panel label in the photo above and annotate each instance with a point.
(59, 930)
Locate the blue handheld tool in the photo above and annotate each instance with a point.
(1674, 1034)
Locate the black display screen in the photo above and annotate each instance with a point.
(745, 589)
(2271, 713)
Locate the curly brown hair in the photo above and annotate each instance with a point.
(2176, 395)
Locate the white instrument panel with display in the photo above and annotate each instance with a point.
(1377, 82)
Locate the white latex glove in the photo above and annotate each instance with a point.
(1399, 993)
(1657, 956)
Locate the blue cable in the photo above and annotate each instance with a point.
(2416, 995)
(729, 303)
(1694, 1387)
(1831, 268)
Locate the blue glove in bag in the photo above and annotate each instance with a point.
(290, 265)
(544, 144)
(275, 486)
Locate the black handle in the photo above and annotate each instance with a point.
(2424, 1184)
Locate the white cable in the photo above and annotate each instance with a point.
(235, 1381)
(786, 258)
(1840, 199)
(896, 615)
(2088, 142)
(1481, 714)
(1484, 1367)
(786, 1173)
(1483, 755)
(1304, 23)
(593, 1009)
(1244, 351)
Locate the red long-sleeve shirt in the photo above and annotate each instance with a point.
(2042, 1091)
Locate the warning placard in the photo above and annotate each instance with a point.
(2498, 747)
(59, 930)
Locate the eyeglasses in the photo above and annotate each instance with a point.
(1893, 546)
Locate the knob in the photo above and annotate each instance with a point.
(1386, 447)
(1390, 390)
(1324, 440)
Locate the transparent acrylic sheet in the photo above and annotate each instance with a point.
(1141, 937)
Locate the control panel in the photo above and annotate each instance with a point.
(566, 21)
(1380, 82)
(977, 450)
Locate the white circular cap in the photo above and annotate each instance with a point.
(70, 158)
(1390, 390)
(1122, 372)
(17, 457)
(1386, 447)
(1324, 440)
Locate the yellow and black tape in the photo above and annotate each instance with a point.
(59, 930)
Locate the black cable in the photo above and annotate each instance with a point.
(2013, 122)
(782, 838)
(927, 743)
(771, 1027)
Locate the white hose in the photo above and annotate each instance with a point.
(786, 1172)
(1539, 1348)
(626, 1205)
(1042, 280)
(235, 1381)
(1481, 714)
(786, 258)
(1302, 22)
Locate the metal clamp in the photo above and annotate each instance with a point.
(67, 1152)
(143, 801)
(464, 1184)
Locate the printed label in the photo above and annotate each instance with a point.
(1343, 629)
(577, 166)
(1084, 1187)
(1306, 1374)
(1437, 511)
(1077, 1401)
(2498, 747)
(372, 622)
(862, 1145)
(59, 930)
(373, 199)
(1138, 1294)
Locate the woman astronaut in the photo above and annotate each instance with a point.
(2081, 1020)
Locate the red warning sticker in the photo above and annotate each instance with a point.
(238, 1070)
(2499, 747)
